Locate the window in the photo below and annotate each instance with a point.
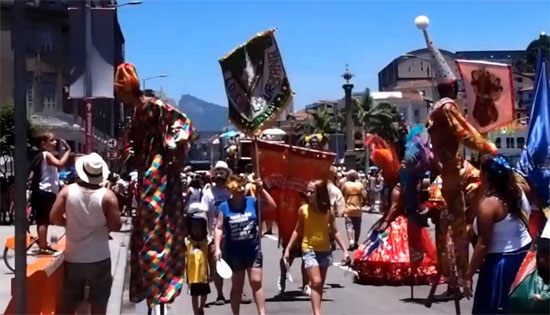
(46, 37)
(49, 86)
(510, 143)
(30, 90)
(30, 45)
(521, 142)
(498, 143)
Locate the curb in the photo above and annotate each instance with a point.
(114, 305)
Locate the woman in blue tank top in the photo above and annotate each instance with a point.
(238, 222)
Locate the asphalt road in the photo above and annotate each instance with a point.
(342, 295)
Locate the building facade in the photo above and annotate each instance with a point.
(47, 49)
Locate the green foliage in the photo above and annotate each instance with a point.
(7, 131)
(323, 122)
(382, 119)
(528, 64)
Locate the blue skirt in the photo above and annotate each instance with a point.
(494, 282)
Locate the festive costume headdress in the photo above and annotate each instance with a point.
(126, 79)
(384, 156)
(443, 75)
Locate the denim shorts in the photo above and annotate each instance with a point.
(313, 258)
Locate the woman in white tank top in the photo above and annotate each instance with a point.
(46, 188)
(503, 238)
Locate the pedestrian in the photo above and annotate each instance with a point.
(238, 221)
(88, 212)
(197, 256)
(316, 224)
(193, 193)
(354, 197)
(212, 197)
(45, 184)
(503, 237)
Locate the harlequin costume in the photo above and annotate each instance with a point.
(157, 141)
(385, 257)
(448, 129)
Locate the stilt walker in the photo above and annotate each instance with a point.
(448, 129)
(157, 141)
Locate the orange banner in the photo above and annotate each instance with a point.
(286, 171)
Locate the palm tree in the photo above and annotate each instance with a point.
(382, 119)
(322, 122)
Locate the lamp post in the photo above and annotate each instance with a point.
(349, 159)
(429, 73)
(153, 77)
(125, 4)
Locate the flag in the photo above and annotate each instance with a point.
(255, 80)
(286, 171)
(489, 93)
(534, 162)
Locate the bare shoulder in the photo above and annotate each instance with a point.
(109, 196)
(489, 207)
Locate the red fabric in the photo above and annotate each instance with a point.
(389, 264)
(384, 156)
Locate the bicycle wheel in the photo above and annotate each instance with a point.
(9, 258)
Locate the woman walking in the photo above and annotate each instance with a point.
(315, 228)
(238, 221)
(503, 237)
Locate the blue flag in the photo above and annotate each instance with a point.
(534, 162)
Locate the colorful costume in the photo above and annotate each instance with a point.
(157, 142)
(448, 129)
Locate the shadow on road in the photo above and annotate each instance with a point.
(292, 296)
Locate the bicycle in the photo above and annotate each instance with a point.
(9, 249)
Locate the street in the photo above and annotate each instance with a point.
(341, 296)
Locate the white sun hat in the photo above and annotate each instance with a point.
(92, 169)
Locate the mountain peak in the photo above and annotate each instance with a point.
(204, 115)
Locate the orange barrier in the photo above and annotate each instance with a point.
(44, 284)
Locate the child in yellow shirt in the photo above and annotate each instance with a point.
(197, 258)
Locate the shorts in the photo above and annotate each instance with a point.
(96, 275)
(242, 260)
(199, 289)
(314, 258)
(353, 223)
(42, 203)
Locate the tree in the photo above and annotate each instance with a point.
(7, 136)
(528, 63)
(322, 122)
(382, 119)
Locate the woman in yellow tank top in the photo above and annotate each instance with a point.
(315, 227)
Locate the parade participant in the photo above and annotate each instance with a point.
(448, 129)
(194, 192)
(88, 212)
(45, 185)
(212, 197)
(158, 138)
(197, 256)
(316, 224)
(238, 221)
(503, 237)
(354, 197)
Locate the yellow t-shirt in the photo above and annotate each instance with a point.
(353, 196)
(316, 230)
(197, 261)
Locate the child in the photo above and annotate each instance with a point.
(315, 227)
(197, 257)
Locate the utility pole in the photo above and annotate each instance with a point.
(21, 157)
(89, 127)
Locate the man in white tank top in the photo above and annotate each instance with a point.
(88, 212)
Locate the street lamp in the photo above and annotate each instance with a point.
(124, 4)
(153, 77)
(431, 74)
(349, 158)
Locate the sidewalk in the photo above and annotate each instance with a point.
(118, 246)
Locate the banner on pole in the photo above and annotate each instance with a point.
(255, 80)
(489, 93)
(286, 171)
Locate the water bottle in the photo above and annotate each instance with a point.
(53, 239)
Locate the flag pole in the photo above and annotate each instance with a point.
(258, 189)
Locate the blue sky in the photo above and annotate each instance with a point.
(185, 39)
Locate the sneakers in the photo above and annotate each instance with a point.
(245, 299)
(306, 290)
(281, 284)
(220, 300)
